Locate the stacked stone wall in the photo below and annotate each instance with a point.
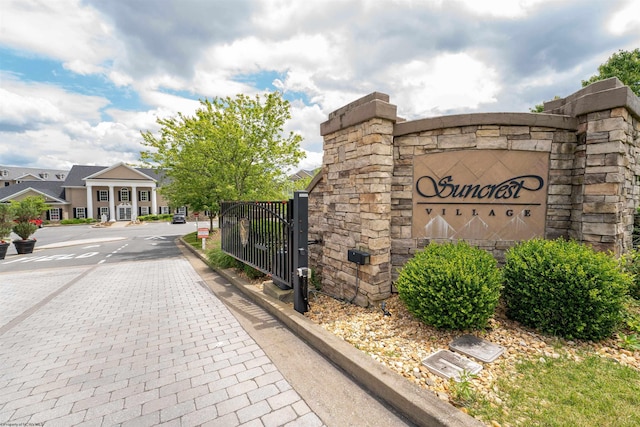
(607, 195)
(352, 202)
(559, 143)
(363, 198)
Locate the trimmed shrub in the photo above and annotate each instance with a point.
(153, 217)
(219, 259)
(72, 221)
(631, 265)
(451, 286)
(564, 288)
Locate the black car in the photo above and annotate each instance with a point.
(178, 219)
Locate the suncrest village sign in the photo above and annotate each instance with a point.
(480, 195)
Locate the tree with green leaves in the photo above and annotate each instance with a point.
(25, 212)
(625, 65)
(231, 149)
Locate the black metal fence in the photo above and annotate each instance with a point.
(270, 237)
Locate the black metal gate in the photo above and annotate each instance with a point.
(271, 237)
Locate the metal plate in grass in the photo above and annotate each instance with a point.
(477, 348)
(450, 365)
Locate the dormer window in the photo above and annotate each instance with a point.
(4, 172)
(44, 175)
(60, 176)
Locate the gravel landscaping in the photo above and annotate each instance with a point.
(401, 342)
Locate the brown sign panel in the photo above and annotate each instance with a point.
(480, 195)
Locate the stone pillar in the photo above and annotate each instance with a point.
(606, 182)
(356, 198)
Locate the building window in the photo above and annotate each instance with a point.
(103, 195)
(103, 211)
(144, 196)
(144, 210)
(182, 210)
(81, 213)
(124, 195)
(164, 210)
(6, 184)
(54, 214)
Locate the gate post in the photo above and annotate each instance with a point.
(299, 248)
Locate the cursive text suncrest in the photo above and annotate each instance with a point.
(428, 187)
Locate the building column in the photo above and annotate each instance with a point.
(154, 202)
(89, 212)
(134, 197)
(112, 205)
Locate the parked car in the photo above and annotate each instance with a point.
(178, 219)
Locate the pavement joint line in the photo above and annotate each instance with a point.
(80, 242)
(28, 312)
(419, 406)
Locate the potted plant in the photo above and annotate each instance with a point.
(6, 224)
(27, 211)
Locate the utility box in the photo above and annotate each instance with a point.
(359, 257)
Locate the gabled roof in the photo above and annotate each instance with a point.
(301, 174)
(16, 173)
(79, 173)
(51, 190)
(116, 166)
(28, 177)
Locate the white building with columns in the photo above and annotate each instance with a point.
(110, 193)
(116, 193)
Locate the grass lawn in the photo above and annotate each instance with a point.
(563, 392)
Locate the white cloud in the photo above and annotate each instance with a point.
(312, 161)
(430, 56)
(62, 29)
(445, 83)
(626, 19)
(53, 104)
(26, 111)
(305, 120)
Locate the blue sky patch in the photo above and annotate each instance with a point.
(43, 70)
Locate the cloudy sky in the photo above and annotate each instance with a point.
(79, 79)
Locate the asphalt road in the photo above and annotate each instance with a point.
(86, 245)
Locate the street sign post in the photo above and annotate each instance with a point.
(203, 233)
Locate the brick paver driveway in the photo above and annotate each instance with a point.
(136, 344)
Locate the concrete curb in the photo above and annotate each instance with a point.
(418, 405)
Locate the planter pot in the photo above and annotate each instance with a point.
(24, 246)
(3, 249)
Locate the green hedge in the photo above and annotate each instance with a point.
(160, 217)
(631, 264)
(77, 221)
(451, 286)
(564, 288)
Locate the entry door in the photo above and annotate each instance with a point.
(124, 213)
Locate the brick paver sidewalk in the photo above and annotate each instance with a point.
(133, 344)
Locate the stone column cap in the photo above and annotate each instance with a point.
(374, 105)
(602, 95)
